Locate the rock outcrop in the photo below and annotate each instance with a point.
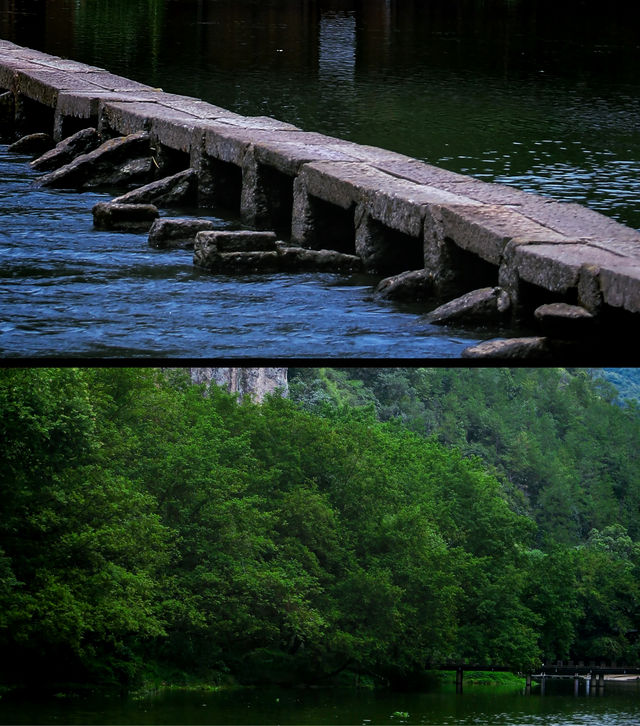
(254, 382)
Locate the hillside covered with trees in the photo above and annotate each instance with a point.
(379, 522)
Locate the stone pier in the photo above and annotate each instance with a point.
(395, 213)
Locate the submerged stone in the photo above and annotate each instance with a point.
(249, 251)
(485, 305)
(68, 149)
(32, 144)
(174, 232)
(235, 262)
(123, 160)
(170, 191)
(238, 240)
(298, 259)
(561, 320)
(533, 348)
(410, 285)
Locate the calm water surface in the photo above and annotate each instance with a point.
(619, 706)
(535, 93)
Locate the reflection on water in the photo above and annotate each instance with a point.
(337, 47)
(618, 706)
(542, 95)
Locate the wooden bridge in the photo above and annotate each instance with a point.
(594, 674)
(557, 260)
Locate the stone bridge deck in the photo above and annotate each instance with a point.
(395, 212)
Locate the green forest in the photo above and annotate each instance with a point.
(377, 523)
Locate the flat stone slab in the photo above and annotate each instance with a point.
(129, 117)
(88, 103)
(298, 259)
(237, 241)
(558, 267)
(176, 232)
(124, 217)
(43, 85)
(196, 108)
(234, 263)
(485, 229)
(397, 203)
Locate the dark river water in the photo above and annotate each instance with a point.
(618, 706)
(540, 94)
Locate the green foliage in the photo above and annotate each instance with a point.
(563, 451)
(153, 532)
(81, 544)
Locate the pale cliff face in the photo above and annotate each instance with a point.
(255, 382)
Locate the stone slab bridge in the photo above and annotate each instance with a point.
(394, 212)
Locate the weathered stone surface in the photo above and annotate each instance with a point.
(298, 259)
(124, 217)
(86, 104)
(486, 305)
(128, 118)
(196, 107)
(8, 71)
(255, 382)
(44, 84)
(174, 232)
(177, 189)
(420, 172)
(490, 193)
(486, 229)
(393, 201)
(32, 144)
(230, 142)
(228, 263)
(560, 320)
(287, 153)
(7, 112)
(238, 241)
(123, 160)
(411, 285)
(176, 132)
(576, 221)
(558, 267)
(533, 349)
(399, 204)
(68, 149)
(620, 285)
(262, 123)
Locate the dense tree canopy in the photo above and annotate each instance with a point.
(381, 522)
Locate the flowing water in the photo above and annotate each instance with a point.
(618, 706)
(69, 290)
(540, 94)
